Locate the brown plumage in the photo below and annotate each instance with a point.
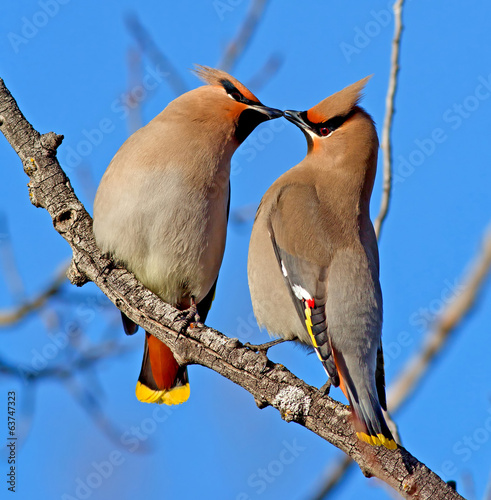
(313, 258)
(162, 208)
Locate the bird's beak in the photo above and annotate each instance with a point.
(296, 118)
(271, 113)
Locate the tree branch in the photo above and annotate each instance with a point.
(446, 323)
(270, 384)
(236, 47)
(335, 474)
(148, 46)
(389, 115)
(264, 74)
(8, 317)
(84, 361)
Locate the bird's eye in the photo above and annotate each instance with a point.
(236, 96)
(324, 131)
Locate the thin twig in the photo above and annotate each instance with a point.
(66, 372)
(86, 360)
(89, 402)
(161, 61)
(266, 72)
(389, 115)
(9, 317)
(11, 271)
(335, 474)
(469, 485)
(446, 324)
(25, 418)
(487, 493)
(236, 47)
(243, 214)
(135, 81)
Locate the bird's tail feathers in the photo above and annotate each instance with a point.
(161, 378)
(129, 326)
(369, 421)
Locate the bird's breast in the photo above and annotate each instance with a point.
(168, 227)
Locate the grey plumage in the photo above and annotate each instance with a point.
(313, 259)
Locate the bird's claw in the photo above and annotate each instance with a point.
(263, 348)
(326, 388)
(189, 317)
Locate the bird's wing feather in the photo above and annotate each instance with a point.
(380, 378)
(205, 305)
(297, 230)
(369, 242)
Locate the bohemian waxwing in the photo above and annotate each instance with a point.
(313, 258)
(162, 208)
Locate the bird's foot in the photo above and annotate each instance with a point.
(324, 390)
(264, 348)
(189, 317)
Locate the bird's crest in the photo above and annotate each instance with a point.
(338, 104)
(213, 76)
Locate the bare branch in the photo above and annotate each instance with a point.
(237, 46)
(135, 81)
(487, 494)
(446, 324)
(244, 214)
(266, 73)
(85, 361)
(389, 114)
(149, 47)
(7, 260)
(469, 486)
(89, 402)
(80, 391)
(335, 474)
(270, 384)
(9, 317)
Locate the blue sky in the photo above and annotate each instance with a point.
(66, 63)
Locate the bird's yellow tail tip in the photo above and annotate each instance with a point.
(174, 396)
(378, 440)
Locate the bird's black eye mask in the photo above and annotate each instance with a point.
(236, 94)
(250, 118)
(329, 126)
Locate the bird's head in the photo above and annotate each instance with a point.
(227, 101)
(337, 121)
